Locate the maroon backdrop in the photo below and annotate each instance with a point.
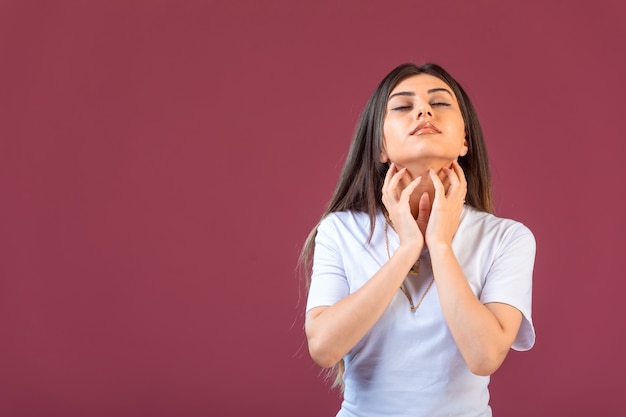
(161, 163)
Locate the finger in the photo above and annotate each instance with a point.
(388, 176)
(408, 190)
(424, 210)
(439, 189)
(393, 183)
(458, 185)
(453, 179)
(459, 172)
(390, 173)
(423, 214)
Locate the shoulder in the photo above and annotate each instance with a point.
(488, 226)
(345, 220)
(347, 228)
(473, 218)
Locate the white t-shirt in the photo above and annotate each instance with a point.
(408, 363)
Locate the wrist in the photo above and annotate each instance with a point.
(407, 255)
(439, 248)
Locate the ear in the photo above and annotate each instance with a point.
(383, 157)
(465, 147)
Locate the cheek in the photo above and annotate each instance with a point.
(455, 130)
(459, 128)
(385, 126)
(458, 120)
(390, 130)
(387, 133)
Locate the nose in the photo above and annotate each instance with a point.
(424, 112)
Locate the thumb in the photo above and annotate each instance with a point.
(423, 213)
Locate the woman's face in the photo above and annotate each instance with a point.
(423, 123)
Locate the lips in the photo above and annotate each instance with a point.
(425, 128)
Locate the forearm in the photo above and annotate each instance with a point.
(482, 338)
(333, 331)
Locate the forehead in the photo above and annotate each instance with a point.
(421, 84)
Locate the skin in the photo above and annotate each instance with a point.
(424, 192)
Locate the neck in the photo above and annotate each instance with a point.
(426, 184)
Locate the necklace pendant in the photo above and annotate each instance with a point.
(415, 269)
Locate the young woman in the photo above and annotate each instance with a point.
(417, 291)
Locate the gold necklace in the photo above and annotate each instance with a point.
(415, 269)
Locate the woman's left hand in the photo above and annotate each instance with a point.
(447, 206)
(483, 333)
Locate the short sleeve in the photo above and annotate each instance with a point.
(509, 280)
(328, 280)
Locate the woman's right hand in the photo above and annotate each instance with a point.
(332, 331)
(396, 201)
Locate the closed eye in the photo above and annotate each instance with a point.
(441, 104)
(400, 108)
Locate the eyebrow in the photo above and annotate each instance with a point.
(412, 94)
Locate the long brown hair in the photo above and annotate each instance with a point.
(360, 184)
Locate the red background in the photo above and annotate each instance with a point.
(161, 163)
